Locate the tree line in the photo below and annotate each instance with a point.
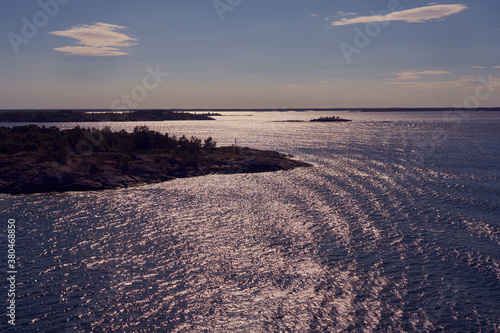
(51, 143)
(80, 116)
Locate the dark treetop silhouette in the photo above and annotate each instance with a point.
(38, 159)
(82, 116)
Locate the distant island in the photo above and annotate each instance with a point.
(215, 111)
(320, 119)
(330, 119)
(46, 116)
(37, 159)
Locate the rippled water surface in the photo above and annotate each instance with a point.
(396, 228)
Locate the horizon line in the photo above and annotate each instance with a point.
(490, 108)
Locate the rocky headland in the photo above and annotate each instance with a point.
(23, 173)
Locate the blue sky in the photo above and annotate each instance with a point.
(249, 53)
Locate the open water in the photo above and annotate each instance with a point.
(396, 228)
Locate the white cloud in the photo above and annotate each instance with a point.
(98, 39)
(415, 15)
(340, 14)
(412, 79)
(422, 80)
(91, 50)
(436, 84)
(478, 67)
(465, 82)
(415, 75)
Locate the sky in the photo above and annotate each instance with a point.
(125, 54)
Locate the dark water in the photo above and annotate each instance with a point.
(395, 229)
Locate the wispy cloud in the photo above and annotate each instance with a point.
(478, 67)
(98, 39)
(417, 80)
(436, 84)
(428, 80)
(465, 82)
(415, 15)
(415, 75)
(344, 14)
(496, 66)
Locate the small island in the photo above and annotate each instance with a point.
(330, 119)
(37, 159)
(46, 116)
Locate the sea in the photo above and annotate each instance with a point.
(396, 228)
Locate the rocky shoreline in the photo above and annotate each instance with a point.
(23, 173)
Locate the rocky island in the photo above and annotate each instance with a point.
(38, 159)
(330, 119)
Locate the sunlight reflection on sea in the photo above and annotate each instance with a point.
(365, 240)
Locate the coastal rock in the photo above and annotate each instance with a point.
(23, 173)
